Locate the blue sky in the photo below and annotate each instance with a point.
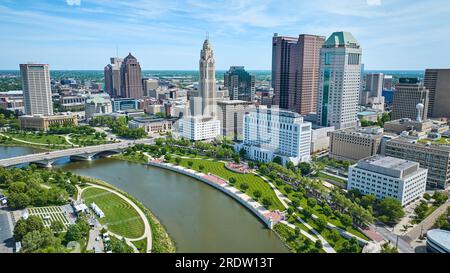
(167, 34)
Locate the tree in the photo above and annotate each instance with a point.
(267, 202)
(334, 235)
(311, 202)
(351, 246)
(327, 210)
(439, 198)
(201, 168)
(190, 164)
(278, 160)
(257, 194)
(244, 186)
(18, 200)
(387, 248)
(318, 244)
(232, 180)
(305, 168)
(321, 223)
(41, 241)
(23, 227)
(74, 233)
(168, 157)
(390, 210)
(346, 220)
(57, 226)
(177, 160)
(368, 200)
(421, 210)
(307, 212)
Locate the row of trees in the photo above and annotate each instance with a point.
(119, 127)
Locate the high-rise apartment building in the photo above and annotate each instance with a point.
(409, 93)
(340, 80)
(240, 84)
(437, 81)
(131, 78)
(231, 116)
(270, 132)
(295, 72)
(113, 77)
(36, 87)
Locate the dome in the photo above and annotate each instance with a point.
(420, 106)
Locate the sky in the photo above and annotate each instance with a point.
(168, 34)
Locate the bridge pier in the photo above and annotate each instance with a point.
(83, 157)
(47, 163)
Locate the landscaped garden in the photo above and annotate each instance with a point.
(248, 183)
(120, 217)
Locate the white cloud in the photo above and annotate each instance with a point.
(374, 2)
(73, 2)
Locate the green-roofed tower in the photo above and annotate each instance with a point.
(340, 81)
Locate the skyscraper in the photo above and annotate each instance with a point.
(409, 92)
(437, 81)
(295, 71)
(37, 91)
(207, 80)
(340, 79)
(240, 84)
(113, 77)
(131, 78)
(372, 94)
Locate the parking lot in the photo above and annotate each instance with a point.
(6, 233)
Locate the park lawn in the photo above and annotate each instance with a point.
(120, 217)
(87, 140)
(135, 157)
(38, 138)
(254, 182)
(141, 245)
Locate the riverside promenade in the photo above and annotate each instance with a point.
(270, 218)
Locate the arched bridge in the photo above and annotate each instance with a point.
(83, 153)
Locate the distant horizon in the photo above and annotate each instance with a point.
(192, 70)
(168, 34)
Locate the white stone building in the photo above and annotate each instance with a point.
(37, 91)
(388, 177)
(271, 132)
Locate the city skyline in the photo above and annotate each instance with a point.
(80, 35)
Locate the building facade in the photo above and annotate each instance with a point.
(435, 158)
(124, 104)
(240, 84)
(131, 78)
(231, 116)
(37, 92)
(43, 123)
(197, 128)
(388, 177)
(270, 133)
(113, 77)
(437, 81)
(409, 92)
(340, 81)
(98, 104)
(151, 125)
(295, 72)
(355, 144)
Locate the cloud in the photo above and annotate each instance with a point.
(73, 2)
(374, 2)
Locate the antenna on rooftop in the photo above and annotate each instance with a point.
(207, 35)
(117, 51)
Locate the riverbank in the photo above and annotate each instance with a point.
(161, 243)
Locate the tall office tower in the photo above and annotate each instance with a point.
(437, 81)
(409, 93)
(131, 78)
(37, 93)
(340, 79)
(207, 80)
(231, 116)
(374, 84)
(240, 84)
(387, 82)
(113, 78)
(295, 71)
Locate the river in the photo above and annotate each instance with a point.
(198, 217)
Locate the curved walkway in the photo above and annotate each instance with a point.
(147, 229)
(35, 143)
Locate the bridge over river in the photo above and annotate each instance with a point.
(82, 153)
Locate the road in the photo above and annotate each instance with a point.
(403, 246)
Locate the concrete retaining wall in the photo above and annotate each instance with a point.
(266, 221)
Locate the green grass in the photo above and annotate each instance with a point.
(329, 177)
(254, 182)
(87, 140)
(38, 138)
(287, 235)
(441, 141)
(120, 217)
(141, 245)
